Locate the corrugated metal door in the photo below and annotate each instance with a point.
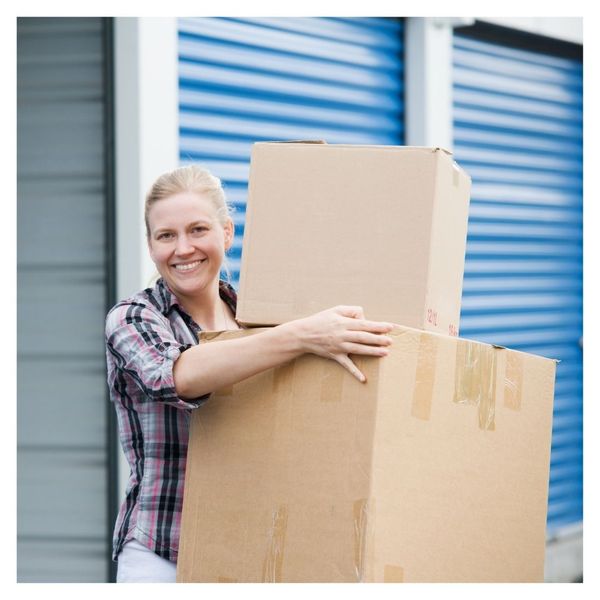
(61, 289)
(248, 80)
(518, 131)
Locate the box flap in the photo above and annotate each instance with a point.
(440, 149)
(293, 142)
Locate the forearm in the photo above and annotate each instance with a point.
(334, 333)
(208, 367)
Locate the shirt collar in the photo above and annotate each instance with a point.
(166, 299)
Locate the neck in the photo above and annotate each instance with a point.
(203, 307)
(208, 309)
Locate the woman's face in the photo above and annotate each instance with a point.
(187, 242)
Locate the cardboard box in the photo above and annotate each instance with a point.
(435, 470)
(382, 227)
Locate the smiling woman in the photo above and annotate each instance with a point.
(158, 372)
(187, 243)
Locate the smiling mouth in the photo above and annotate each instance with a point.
(182, 268)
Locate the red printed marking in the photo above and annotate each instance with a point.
(432, 316)
(452, 330)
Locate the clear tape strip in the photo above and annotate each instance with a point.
(475, 380)
(513, 381)
(425, 377)
(273, 564)
(360, 530)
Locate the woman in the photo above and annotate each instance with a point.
(158, 373)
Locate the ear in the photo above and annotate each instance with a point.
(229, 229)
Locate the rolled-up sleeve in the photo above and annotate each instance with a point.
(144, 350)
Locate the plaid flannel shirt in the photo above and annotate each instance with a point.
(145, 335)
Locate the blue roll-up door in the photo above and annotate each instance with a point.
(256, 79)
(518, 132)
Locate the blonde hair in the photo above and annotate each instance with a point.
(191, 178)
(195, 179)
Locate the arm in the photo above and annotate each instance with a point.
(141, 350)
(333, 334)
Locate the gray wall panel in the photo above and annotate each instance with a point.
(60, 482)
(64, 216)
(57, 561)
(42, 420)
(61, 312)
(62, 455)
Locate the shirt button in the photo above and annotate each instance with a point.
(172, 353)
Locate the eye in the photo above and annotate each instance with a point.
(199, 229)
(164, 236)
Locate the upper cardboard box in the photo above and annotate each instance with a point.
(382, 227)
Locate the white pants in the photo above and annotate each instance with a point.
(138, 564)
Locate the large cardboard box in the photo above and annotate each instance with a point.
(382, 227)
(435, 470)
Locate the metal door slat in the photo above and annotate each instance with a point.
(518, 132)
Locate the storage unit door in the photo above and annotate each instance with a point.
(518, 132)
(262, 79)
(62, 489)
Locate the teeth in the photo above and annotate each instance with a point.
(188, 267)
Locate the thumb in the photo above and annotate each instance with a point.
(347, 363)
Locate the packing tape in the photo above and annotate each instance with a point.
(360, 531)
(513, 381)
(273, 564)
(425, 376)
(475, 380)
(393, 574)
(226, 580)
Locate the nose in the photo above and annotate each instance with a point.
(183, 246)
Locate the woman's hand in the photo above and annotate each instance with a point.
(342, 330)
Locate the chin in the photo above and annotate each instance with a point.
(193, 286)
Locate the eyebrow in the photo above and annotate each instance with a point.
(193, 224)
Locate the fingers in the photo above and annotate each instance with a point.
(373, 326)
(363, 337)
(361, 349)
(360, 323)
(347, 363)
